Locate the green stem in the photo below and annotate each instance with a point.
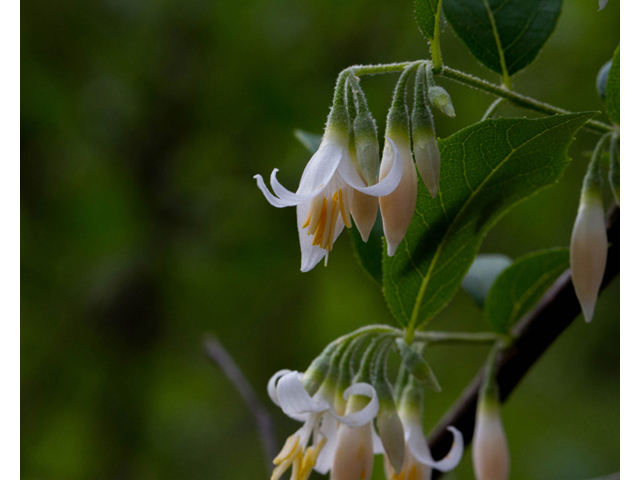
(493, 108)
(436, 55)
(488, 87)
(481, 338)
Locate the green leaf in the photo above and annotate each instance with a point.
(612, 96)
(369, 255)
(521, 285)
(483, 272)
(309, 140)
(486, 169)
(505, 35)
(417, 366)
(427, 13)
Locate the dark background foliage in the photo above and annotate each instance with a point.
(142, 123)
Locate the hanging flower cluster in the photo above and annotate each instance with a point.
(345, 178)
(350, 417)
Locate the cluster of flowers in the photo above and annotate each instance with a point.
(338, 409)
(345, 178)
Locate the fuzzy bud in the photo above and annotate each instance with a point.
(440, 99)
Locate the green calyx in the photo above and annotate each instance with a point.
(614, 166)
(338, 121)
(398, 116)
(365, 135)
(422, 127)
(317, 371)
(592, 182)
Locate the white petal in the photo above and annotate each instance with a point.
(294, 399)
(271, 386)
(378, 447)
(312, 254)
(368, 413)
(384, 187)
(354, 454)
(364, 210)
(322, 166)
(427, 158)
(271, 198)
(417, 444)
(588, 254)
(329, 429)
(397, 208)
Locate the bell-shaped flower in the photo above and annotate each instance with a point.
(397, 208)
(325, 195)
(490, 449)
(588, 252)
(320, 425)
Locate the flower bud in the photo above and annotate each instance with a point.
(588, 253)
(425, 145)
(490, 449)
(439, 98)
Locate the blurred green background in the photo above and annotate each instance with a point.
(142, 123)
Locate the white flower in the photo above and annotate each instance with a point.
(588, 252)
(320, 423)
(490, 449)
(418, 461)
(325, 196)
(397, 208)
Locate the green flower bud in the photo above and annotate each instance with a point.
(439, 98)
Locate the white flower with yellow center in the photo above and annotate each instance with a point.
(324, 198)
(321, 424)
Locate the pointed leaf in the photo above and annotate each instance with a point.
(483, 272)
(486, 169)
(612, 96)
(521, 285)
(427, 12)
(509, 32)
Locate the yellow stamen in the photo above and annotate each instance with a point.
(319, 233)
(327, 225)
(346, 218)
(413, 473)
(334, 220)
(289, 447)
(314, 215)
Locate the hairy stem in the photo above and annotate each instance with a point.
(488, 87)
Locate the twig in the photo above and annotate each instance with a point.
(534, 334)
(217, 353)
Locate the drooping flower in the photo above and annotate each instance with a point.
(589, 239)
(418, 462)
(320, 427)
(325, 195)
(397, 208)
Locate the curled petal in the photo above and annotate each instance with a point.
(271, 198)
(271, 386)
(417, 444)
(384, 187)
(294, 399)
(288, 196)
(368, 413)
